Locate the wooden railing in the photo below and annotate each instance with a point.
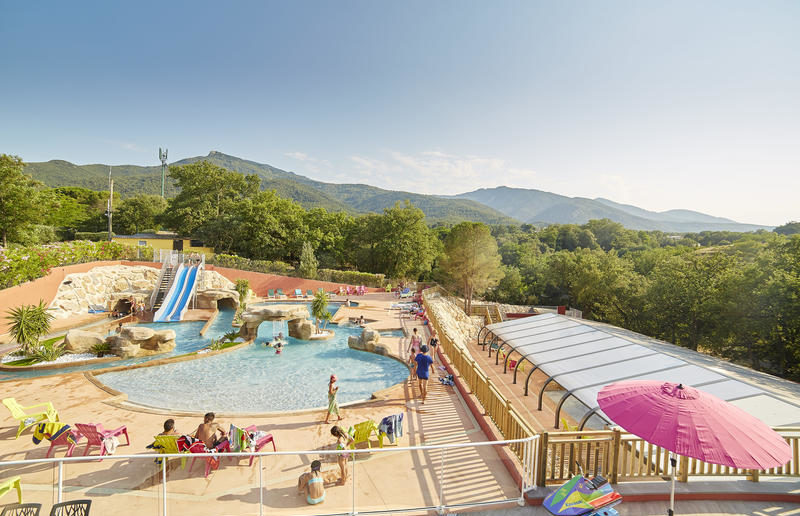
(619, 456)
(510, 423)
(622, 457)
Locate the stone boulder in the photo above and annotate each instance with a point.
(137, 341)
(80, 341)
(301, 329)
(369, 340)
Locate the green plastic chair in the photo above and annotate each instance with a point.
(280, 293)
(12, 483)
(271, 293)
(27, 420)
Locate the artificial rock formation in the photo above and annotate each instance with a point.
(132, 341)
(79, 341)
(102, 285)
(369, 340)
(300, 327)
(210, 298)
(137, 341)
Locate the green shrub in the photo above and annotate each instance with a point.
(28, 324)
(351, 277)
(242, 288)
(38, 234)
(21, 264)
(246, 264)
(104, 348)
(48, 350)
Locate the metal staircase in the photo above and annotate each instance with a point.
(163, 287)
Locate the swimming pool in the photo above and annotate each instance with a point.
(255, 379)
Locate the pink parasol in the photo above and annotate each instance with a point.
(692, 423)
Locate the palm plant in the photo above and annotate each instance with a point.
(28, 324)
(49, 351)
(319, 307)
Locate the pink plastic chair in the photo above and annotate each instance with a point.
(261, 442)
(211, 462)
(63, 440)
(95, 433)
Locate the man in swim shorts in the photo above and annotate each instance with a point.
(424, 367)
(312, 484)
(209, 432)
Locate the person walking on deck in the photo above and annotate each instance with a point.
(333, 404)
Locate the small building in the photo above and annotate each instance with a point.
(167, 241)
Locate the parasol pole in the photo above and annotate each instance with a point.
(672, 462)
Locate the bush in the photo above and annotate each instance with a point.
(93, 236)
(38, 234)
(104, 348)
(21, 264)
(48, 350)
(351, 277)
(246, 264)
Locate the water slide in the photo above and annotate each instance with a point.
(175, 291)
(183, 303)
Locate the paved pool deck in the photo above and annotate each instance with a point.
(388, 480)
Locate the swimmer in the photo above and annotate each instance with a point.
(278, 348)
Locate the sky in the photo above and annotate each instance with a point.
(664, 105)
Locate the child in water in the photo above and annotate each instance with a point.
(278, 348)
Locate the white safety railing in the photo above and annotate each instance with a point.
(527, 468)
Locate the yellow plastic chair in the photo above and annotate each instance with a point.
(388, 288)
(362, 434)
(27, 420)
(169, 444)
(12, 483)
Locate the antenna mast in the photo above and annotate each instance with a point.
(110, 202)
(162, 155)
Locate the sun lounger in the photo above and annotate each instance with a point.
(281, 295)
(12, 483)
(28, 419)
(309, 293)
(211, 462)
(241, 440)
(59, 434)
(406, 292)
(271, 293)
(298, 293)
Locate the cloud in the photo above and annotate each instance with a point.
(437, 172)
(128, 146)
(310, 164)
(301, 156)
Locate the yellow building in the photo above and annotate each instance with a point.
(165, 240)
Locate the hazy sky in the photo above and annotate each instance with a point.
(660, 104)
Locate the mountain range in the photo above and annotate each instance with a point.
(501, 205)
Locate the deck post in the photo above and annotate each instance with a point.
(541, 471)
(615, 444)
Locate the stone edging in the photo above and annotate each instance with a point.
(208, 323)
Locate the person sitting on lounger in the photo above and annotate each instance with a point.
(361, 321)
(169, 428)
(210, 432)
(312, 484)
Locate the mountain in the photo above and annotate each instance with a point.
(130, 180)
(539, 207)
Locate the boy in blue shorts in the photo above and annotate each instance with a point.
(424, 367)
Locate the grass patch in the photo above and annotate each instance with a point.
(22, 362)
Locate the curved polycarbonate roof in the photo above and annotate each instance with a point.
(584, 356)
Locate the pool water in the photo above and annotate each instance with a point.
(256, 379)
(187, 340)
(393, 333)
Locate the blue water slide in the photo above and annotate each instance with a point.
(183, 302)
(172, 296)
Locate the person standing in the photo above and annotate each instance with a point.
(424, 368)
(333, 404)
(343, 441)
(416, 340)
(432, 344)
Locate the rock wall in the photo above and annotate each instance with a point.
(453, 322)
(101, 285)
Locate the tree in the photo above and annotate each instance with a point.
(28, 324)
(139, 213)
(207, 193)
(19, 207)
(790, 228)
(319, 308)
(308, 264)
(471, 260)
(242, 288)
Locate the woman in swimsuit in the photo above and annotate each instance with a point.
(343, 441)
(312, 484)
